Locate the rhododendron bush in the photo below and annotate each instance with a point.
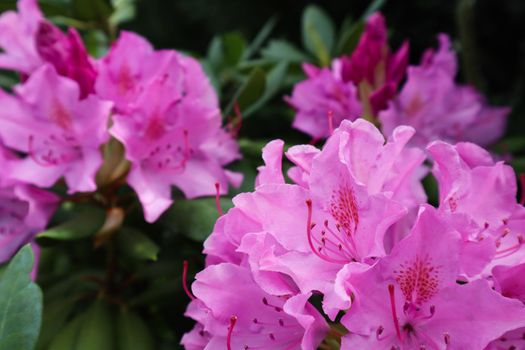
(347, 193)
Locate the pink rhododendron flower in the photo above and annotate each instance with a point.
(67, 54)
(29, 41)
(509, 281)
(227, 292)
(373, 68)
(171, 128)
(24, 209)
(17, 37)
(48, 122)
(361, 83)
(339, 215)
(440, 109)
(471, 183)
(410, 299)
(126, 70)
(323, 99)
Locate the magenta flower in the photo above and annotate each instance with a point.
(509, 281)
(48, 122)
(472, 184)
(67, 54)
(130, 65)
(337, 216)
(24, 210)
(17, 37)
(173, 136)
(410, 299)
(236, 313)
(373, 68)
(438, 108)
(29, 41)
(322, 101)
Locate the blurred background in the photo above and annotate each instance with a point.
(489, 36)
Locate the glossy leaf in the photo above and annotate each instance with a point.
(194, 218)
(83, 225)
(250, 91)
(318, 33)
(133, 333)
(274, 81)
(137, 245)
(233, 45)
(96, 332)
(281, 50)
(20, 304)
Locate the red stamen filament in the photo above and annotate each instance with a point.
(233, 321)
(322, 244)
(218, 198)
(184, 277)
(394, 312)
(330, 117)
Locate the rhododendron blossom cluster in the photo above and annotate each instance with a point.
(354, 232)
(365, 84)
(68, 106)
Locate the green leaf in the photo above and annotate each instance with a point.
(84, 224)
(233, 45)
(250, 91)
(260, 38)
(96, 332)
(350, 37)
(274, 81)
(92, 10)
(518, 164)
(137, 245)
(215, 55)
(318, 33)
(195, 218)
(124, 11)
(67, 338)
(133, 333)
(373, 7)
(55, 315)
(282, 50)
(20, 304)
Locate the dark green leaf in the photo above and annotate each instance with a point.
(318, 33)
(373, 7)
(133, 333)
(518, 164)
(250, 91)
(233, 45)
(137, 245)
(96, 332)
(274, 80)
(92, 10)
(260, 38)
(194, 218)
(67, 338)
(215, 55)
(84, 224)
(281, 50)
(349, 38)
(55, 315)
(20, 304)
